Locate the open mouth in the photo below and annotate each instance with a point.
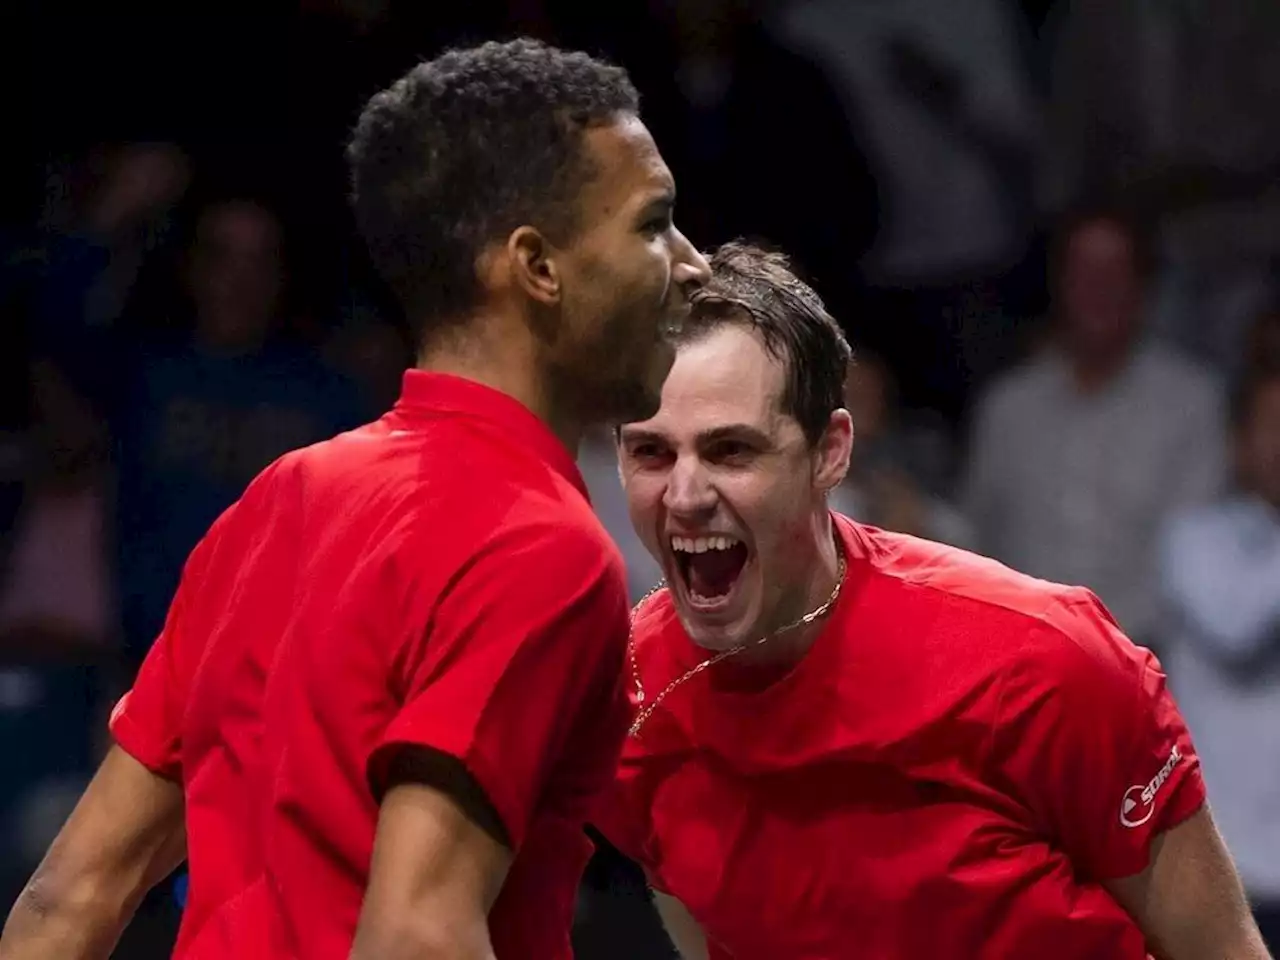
(709, 568)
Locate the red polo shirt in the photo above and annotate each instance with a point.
(434, 578)
(962, 757)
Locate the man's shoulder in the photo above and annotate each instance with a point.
(1014, 390)
(553, 540)
(456, 468)
(427, 512)
(937, 573)
(1005, 620)
(1183, 378)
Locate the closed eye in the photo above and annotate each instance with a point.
(656, 217)
(646, 453)
(657, 225)
(731, 452)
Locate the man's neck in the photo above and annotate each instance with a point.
(1092, 373)
(509, 365)
(791, 648)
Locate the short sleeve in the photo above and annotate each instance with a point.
(147, 721)
(1090, 739)
(520, 668)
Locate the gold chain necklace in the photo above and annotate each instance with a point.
(815, 614)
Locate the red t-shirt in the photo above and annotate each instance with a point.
(961, 758)
(434, 578)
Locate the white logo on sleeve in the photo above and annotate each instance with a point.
(1139, 804)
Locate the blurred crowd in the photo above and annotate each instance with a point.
(1052, 231)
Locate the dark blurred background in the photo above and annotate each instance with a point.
(1051, 229)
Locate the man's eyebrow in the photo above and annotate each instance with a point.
(734, 431)
(663, 202)
(742, 432)
(640, 435)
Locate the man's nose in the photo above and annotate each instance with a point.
(689, 493)
(691, 269)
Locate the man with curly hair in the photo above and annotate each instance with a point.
(388, 690)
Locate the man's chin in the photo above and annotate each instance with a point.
(724, 622)
(712, 636)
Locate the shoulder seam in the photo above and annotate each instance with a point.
(1060, 593)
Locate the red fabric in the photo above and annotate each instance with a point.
(942, 776)
(435, 578)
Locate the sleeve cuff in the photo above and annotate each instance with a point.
(493, 787)
(134, 740)
(1186, 798)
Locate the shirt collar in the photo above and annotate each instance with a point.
(425, 393)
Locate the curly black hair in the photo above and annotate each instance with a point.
(757, 286)
(465, 148)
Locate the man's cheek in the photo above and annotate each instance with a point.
(794, 525)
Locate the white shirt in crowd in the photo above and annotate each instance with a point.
(1075, 487)
(1220, 575)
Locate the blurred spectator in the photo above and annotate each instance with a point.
(201, 416)
(369, 348)
(1205, 306)
(1080, 454)
(50, 715)
(1220, 567)
(55, 593)
(103, 217)
(1148, 95)
(901, 465)
(57, 625)
(951, 126)
(1262, 344)
(1173, 104)
(756, 136)
(598, 461)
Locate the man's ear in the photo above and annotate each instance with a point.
(833, 450)
(533, 266)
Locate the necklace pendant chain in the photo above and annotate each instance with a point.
(647, 709)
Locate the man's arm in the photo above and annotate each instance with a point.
(440, 857)
(1093, 740)
(509, 696)
(1189, 901)
(125, 835)
(689, 940)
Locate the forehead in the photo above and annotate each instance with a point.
(629, 170)
(238, 226)
(725, 378)
(1100, 241)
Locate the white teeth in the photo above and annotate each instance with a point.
(702, 544)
